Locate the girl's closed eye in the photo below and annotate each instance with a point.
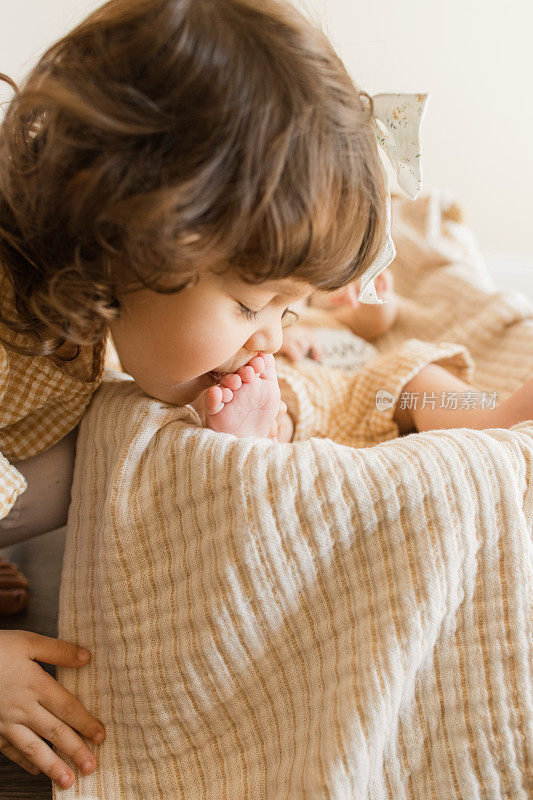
(248, 313)
(289, 316)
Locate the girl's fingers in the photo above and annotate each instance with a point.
(34, 749)
(297, 349)
(65, 706)
(16, 756)
(55, 651)
(63, 737)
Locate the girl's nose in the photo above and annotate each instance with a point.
(267, 339)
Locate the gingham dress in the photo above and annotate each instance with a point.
(40, 400)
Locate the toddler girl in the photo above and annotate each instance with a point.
(175, 173)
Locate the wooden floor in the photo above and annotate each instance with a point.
(40, 560)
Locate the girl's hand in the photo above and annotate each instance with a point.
(298, 341)
(33, 705)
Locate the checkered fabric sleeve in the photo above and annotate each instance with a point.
(357, 409)
(12, 483)
(41, 400)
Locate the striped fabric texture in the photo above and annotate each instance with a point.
(346, 616)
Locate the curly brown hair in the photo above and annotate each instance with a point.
(162, 137)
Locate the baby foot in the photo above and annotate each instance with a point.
(246, 402)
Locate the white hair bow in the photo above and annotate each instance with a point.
(397, 120)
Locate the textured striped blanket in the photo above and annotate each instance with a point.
(346, 616)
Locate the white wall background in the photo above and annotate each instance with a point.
(473, 56)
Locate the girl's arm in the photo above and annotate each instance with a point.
(33, 706)
(44, 505)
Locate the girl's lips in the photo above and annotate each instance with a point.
(216, 376)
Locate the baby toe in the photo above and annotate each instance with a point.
(227, 394)
(257, 363)
(246, 373)
(270, 366)
(213, 400)
(232, 381)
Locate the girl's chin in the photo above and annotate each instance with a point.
(191, 390)
(182, 394)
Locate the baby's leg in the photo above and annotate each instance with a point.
(434, 379)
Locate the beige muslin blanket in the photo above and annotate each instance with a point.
(311, 620)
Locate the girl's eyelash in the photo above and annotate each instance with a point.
(252, 315)
(248, 313)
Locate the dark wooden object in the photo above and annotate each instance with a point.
(40, 560)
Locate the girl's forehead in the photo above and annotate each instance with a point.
(290, 286)
(287, 286)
